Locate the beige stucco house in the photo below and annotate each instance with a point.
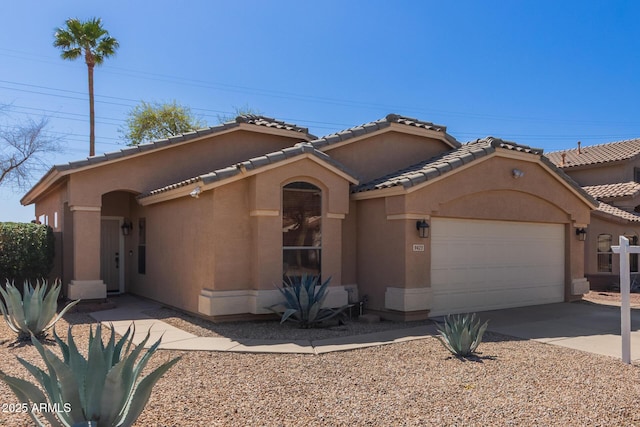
(611, 174)
(396, 209)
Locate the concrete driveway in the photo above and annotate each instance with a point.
(582, 326)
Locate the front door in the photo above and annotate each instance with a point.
(111, 259)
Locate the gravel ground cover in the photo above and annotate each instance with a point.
(511, 382)
(272, 329)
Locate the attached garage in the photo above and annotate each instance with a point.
(480, 265)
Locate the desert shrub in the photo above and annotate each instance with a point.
(104, 389)
(33, 312)
(303, 301)
(461, 334)
(26, 251)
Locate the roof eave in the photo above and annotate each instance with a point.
(614, 218)
(243, 172)
(393, 127)
(47, 181)
(500, 152)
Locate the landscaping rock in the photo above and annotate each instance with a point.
(369, 318)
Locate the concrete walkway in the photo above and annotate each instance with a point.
(584, 326)
(587, 327)
(130, 310)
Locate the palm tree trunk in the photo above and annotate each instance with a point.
(92, 118)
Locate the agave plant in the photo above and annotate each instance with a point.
(303, 302)
(462, 334)
(102, 390)
(32, 312)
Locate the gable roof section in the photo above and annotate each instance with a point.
(613, 191)
(246, 168)
(261, 122)
(611, 212)
(596, 154)
(442, 164)
(387, 122)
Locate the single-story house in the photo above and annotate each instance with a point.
(396, 209)
(611, 174)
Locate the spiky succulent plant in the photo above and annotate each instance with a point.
(33, 312)
(461, 334)
(303, 302)
(102, 390)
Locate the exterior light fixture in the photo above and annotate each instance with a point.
(582, 234)
(517, 173)
(126, 227)
(196, 192)
(423, 228)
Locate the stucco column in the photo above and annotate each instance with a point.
(578, 284)
(86, 282)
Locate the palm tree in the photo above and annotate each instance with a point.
(91, 40)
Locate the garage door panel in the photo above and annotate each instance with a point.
(484, 265)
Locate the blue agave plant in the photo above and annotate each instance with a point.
(461, 334)
(303, 301)
(102, 390)
(33, 312)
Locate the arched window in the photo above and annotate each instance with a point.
(301, 229)
(605, 255)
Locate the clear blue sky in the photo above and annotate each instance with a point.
(541, 73)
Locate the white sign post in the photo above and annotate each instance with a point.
(625, 289)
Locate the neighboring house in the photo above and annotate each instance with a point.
(611, 174)
(396, 209)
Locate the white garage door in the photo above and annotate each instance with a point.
(485, 265)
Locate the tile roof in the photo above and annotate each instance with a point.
(247, 118)
(613, 191)
(596, 154)
(355, 131)
(443, 163)
(271, 123)
(611, 211)
(253, 164)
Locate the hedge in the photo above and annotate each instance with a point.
(26, 251)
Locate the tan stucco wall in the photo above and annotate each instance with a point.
(604, 173)
(230, 238)
(163, 167)
(180, 259)
(83, 190)
(385, 153)
(486, 190)
(602, 225)
(380, 252)
(51, 204)
(349, 246)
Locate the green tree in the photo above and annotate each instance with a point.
(91, 40)
(151, 121)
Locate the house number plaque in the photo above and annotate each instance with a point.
(418, 248)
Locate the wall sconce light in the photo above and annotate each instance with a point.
(423, 228)
(127, 226)
(582, 234)
(517, 173)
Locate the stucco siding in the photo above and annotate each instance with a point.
(385, 153)
(603, 174)
(486, 190)
(163, 167)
